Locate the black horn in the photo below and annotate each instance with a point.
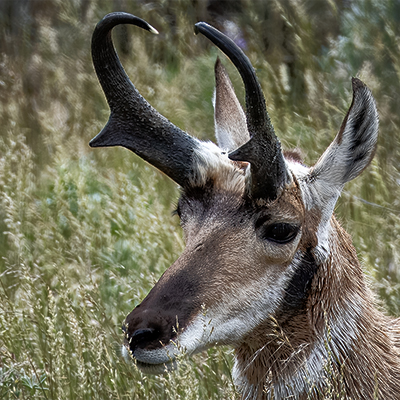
(133, 122)
(268, 169)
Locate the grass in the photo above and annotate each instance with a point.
(86, 233)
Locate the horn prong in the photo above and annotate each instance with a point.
(133, 122)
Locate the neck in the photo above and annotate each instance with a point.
(337, 341)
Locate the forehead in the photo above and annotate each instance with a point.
(223, 189)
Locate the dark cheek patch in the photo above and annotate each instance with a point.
(298, 288)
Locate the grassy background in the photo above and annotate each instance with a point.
(86, 233)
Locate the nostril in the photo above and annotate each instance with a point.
(141, 337)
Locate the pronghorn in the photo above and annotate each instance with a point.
(267, 268)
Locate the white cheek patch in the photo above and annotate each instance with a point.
(229, 321)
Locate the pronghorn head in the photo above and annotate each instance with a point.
(255, 219)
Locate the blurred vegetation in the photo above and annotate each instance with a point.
(86, 234)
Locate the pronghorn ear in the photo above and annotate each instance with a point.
(353, 147)
(229, 118)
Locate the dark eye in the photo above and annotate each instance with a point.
(279, 233)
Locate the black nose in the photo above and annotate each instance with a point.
(149, 328)
(141, 337)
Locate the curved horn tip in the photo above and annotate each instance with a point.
(153, 30)
(116, 18)
(198, 26)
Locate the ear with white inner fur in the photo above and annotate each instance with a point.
(229, 118)
(353, 147)
(348, 155)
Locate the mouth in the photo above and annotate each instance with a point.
(156, 369)
(168, 363)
